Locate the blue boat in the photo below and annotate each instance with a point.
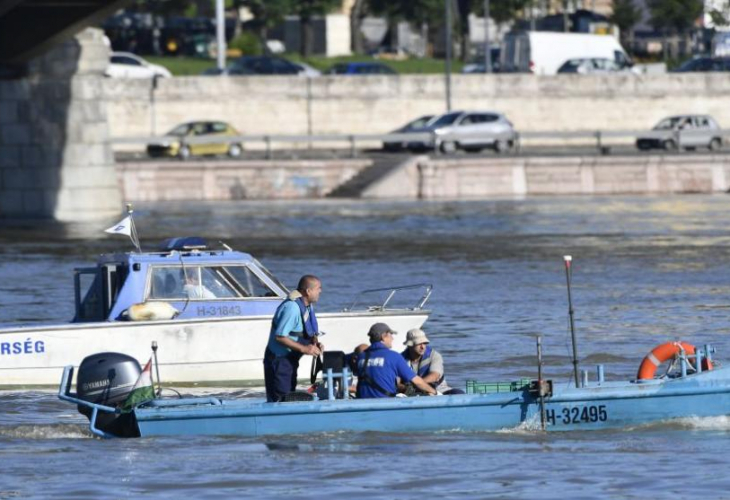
(694, 387)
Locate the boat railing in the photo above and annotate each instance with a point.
(65, 394)
(386, 297)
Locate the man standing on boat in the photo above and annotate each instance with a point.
(293, 334)
(426, 362)
(379, 368)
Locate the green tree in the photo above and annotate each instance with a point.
(625, 15)
(675, 17)
(267, 14)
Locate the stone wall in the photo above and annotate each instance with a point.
(469, 178)
(239, 180)
(378, 104)
(55, 160)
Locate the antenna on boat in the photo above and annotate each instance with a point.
(540, 383)
(568, 275)
(157, 367)
(134, 236)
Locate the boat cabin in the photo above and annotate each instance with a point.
(186, 274)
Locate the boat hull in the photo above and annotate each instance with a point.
(605, 406)
(215, 351)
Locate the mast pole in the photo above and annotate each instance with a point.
(568, 274)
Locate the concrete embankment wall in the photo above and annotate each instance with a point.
(426, 177)
(235, 180)
(431, 178)
(377, 104)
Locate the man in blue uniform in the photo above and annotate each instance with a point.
(293, 334)
(379, 368)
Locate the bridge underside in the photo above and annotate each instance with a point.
(30, 27)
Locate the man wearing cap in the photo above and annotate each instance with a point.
(425, 361)
(294, 332)
(379, 368)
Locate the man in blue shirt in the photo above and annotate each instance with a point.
(293, 334)
(379, 368)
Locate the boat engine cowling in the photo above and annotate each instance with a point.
(107, 379)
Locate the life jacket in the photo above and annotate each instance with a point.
(309, 320)
(424, 365)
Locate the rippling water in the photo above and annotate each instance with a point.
(647, 270)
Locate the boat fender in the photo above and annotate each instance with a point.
(151, 311)
(665, 352)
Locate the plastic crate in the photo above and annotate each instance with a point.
(474, 387)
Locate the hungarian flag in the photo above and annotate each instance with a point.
(142, 390)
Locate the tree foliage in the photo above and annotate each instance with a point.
(675, 15)
(625, 14)
(501, 11)
(416, 12)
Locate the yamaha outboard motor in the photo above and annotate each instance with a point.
(107, 379)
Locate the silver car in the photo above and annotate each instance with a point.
(472, 131)
(682, 131)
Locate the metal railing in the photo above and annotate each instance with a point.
(391, 292)
(433, 141)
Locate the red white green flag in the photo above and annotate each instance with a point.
(142, 391)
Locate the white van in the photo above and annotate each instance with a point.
(543, 52)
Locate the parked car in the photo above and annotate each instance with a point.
(471, 131)
(128, 65)
(265, 65)
(228, 70)
(589, 66)
(413, 126)
(175, 142)
(480, 66)
(685, 131)
(361, 68)
(704, 64)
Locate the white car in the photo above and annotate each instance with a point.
(128, 65)
(471, 131)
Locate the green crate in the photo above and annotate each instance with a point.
(474, 387)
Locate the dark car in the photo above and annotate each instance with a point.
(413, 126)
(704, 64)
(263, 65)
(361, 68)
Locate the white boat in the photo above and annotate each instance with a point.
(216, 340)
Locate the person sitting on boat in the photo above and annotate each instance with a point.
(351, 363)
(194, 290)
(379, 368)
(294, 332)
(426, 362)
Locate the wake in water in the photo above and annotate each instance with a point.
(45, 431)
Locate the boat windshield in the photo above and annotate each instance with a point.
(206, 283)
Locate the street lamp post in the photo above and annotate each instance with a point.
(220, 31)
(487, 53)
(448, 55)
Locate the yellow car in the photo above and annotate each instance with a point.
(175, 142)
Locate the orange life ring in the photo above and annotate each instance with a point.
(665, 352)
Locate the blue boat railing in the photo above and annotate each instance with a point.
(64, 393)
(389, 294)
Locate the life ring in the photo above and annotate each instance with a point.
(665, 352)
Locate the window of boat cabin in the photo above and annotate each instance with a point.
(206, 283)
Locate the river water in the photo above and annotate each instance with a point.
(646, 270)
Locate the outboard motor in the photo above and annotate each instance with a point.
(107, 379)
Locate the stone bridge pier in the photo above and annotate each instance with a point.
(55, 158)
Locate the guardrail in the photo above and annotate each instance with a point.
(668, 139)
